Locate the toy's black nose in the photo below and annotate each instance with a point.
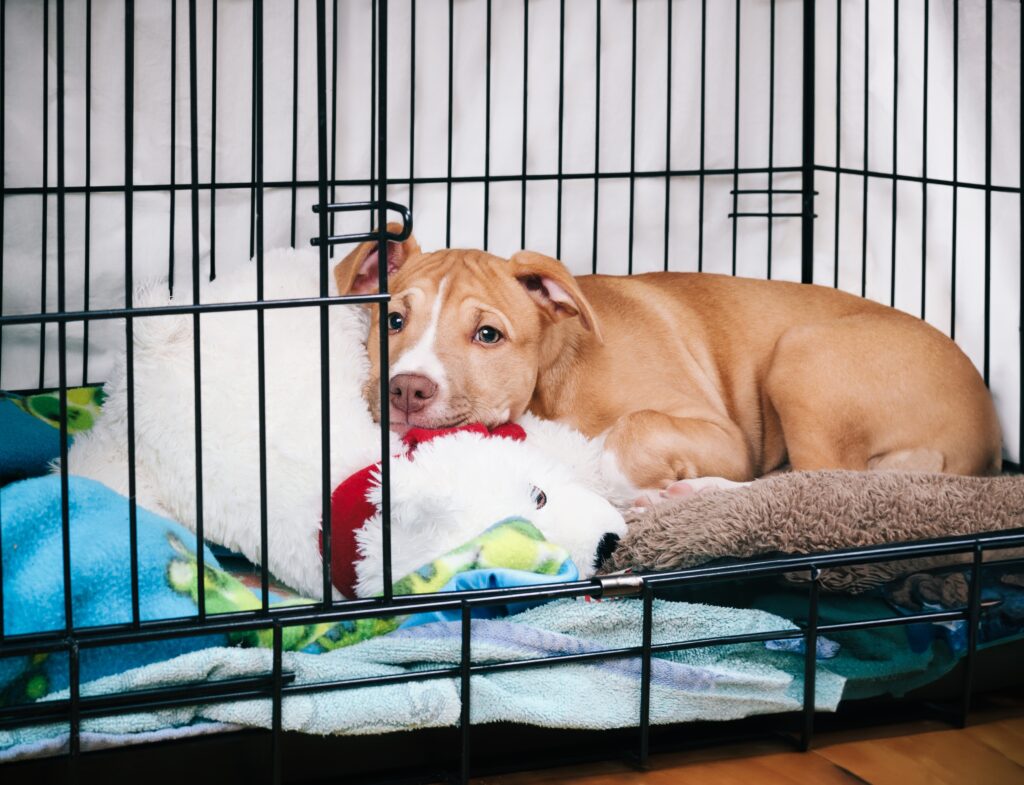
(605, 548)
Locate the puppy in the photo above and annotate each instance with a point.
(682, 374)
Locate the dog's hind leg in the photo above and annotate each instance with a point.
(881, 391)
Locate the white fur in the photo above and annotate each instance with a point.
(457, 486)
(422, 358)
(164, 423)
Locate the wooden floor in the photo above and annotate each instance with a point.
(990, 751)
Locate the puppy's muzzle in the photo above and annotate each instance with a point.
(411, 392)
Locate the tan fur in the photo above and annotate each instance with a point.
(694, 374)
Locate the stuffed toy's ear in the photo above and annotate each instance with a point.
(358, 273)
(553, 288)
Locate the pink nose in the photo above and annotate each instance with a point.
(411, 392)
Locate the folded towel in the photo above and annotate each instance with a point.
(722, 682)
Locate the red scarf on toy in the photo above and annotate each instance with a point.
(350, 509)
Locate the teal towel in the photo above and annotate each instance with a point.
(718, 683)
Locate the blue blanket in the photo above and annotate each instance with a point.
(33, 579)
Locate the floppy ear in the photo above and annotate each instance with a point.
(358, 273)
(553, 288)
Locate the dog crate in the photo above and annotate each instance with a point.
(870, 146)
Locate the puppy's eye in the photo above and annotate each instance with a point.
(395, 322)
(539, 497)
(487, 334)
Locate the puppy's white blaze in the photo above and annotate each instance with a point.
(422, 358)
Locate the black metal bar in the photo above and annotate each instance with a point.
(46, 182)
(864, 198)
(973, 618)
(910, 178)
(597, 133)
(526, 81)
(988, 191)
(252, 142)
(222, 690)
(807, 178)
(87, 234)
(771, 130)
(766, 215)
(895, 146)
(632, 144)
(465, 694)
(645, 674)
(487, 131)
(277, 707)
(810, 661)
(261, 362)
(129, 340)
(321, 104)
(373, 105)
(1020, 301)
(451, 82)
(295, 112)
(382, 271)
(213, 141)
(668, 127)
(956, 128)
(334, 127)
(536, 177)
(412, 112)
(196, 330)
(173, 197)
(186, 308)
(74, 706)
(3, 152)
(924, 173)
(561, 124)
(703, 129)
(62, 348)
(736, 133)
(839, 128)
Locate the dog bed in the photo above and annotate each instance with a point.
(810, 512)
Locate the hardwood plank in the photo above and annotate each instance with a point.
(953, 757)
(734, 767)
(1006, 736)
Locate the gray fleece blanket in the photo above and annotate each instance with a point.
(810, 512)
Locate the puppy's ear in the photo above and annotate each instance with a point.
(553, 288)
(358, 273)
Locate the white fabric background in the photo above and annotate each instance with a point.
(23, 162)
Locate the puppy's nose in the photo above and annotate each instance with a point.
(411, 392)
(605, 548)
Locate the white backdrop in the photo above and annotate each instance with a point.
(23, 148)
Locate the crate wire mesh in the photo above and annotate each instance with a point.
(153, 139)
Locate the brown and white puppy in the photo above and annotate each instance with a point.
(684, 374)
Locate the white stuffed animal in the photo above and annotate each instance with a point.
(451, 487)
(437, 500)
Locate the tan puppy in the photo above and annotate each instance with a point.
(684, 374)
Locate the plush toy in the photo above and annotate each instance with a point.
(437, 500)
(447, 486)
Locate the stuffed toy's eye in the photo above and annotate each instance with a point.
(395, 322)
(539, 497)
(487, 334)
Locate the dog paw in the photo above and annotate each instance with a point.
(682, 489)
